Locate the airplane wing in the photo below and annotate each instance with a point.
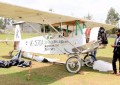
(37, 16)
(31, 15)
(91, 24)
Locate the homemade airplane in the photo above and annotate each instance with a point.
(73, 45)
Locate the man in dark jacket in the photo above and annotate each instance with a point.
(116, 53)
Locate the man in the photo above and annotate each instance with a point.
(116, 53)
(87, 34)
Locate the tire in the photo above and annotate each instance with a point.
(73, 64)
(89, 60)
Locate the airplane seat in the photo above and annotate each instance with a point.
(88, 47)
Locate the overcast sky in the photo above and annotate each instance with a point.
(78, 8)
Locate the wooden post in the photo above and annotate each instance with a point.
(29, 72)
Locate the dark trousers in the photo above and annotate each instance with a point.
(115, 57)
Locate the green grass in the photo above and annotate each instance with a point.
(50, 74)
(106, 54)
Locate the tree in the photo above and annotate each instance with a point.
(112, 17)
(4, 22)
(89, 17)
(1, 24)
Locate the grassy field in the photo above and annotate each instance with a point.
(51, 74)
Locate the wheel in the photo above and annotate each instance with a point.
(73, 64)
(89, 60)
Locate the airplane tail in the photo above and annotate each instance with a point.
(17, 37)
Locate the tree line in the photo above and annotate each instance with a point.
(113, 18)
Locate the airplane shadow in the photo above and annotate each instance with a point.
(107, 59)
(44, 75)
(39, 76)
(7, 57)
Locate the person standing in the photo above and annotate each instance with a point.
(87, 34)
(116, 53)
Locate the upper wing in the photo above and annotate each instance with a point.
(37, 16)
(31, 15)
(92, 24)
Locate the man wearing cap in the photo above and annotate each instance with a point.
(116, 53)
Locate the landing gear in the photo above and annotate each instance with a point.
(73, 64)
(89, 60)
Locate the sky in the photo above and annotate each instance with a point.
(98, 9)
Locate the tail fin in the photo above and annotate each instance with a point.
(17, 37)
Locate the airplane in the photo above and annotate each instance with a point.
(74, 45)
